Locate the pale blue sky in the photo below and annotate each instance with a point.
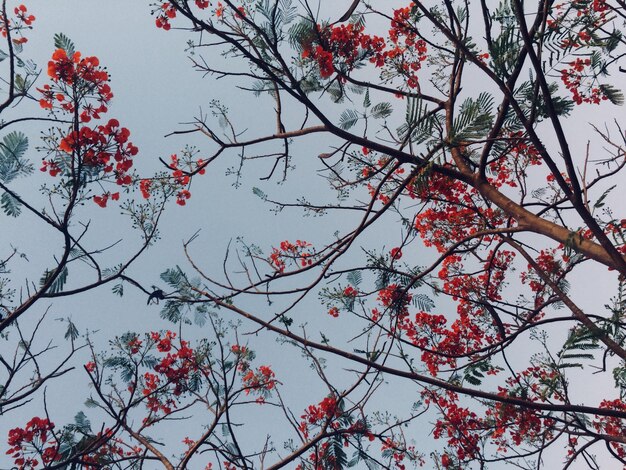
(155, 91)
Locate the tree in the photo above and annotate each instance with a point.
(458, 340)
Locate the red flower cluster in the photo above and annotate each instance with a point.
(473, 329)
(102, 200)
(399, 452)
(144, 187)
(511, 166)
(165, 13)
(260, 381)
(505, 425)
(22, 21)
(550, 265)
(76, 77)
(323, 414)
(612, 426)
(350, 292)
(580, 84)
(134, 345)
(290, 252)
(458, 425)
(182, 196)
(583, 23)
(171, 373)
(177, 364)
(21, 13)
(321, 458)
(396, 253)
(536, 383)
(50, 166)
(83, 83)
(33, 442)
(342, 43)
(408, 53)
(242, 351)
(113, 449)
(105, 146)
(68, 69)
(164, 343)
(342, 47)
(181, 179)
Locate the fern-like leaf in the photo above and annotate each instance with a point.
(61, 41)
(11, 206)
(348, 119)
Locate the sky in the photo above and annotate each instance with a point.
(157, 92)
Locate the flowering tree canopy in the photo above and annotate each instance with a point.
(441, 311)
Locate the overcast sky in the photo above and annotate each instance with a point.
(156, 91)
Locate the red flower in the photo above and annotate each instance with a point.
(144, 187)
(101, 200)
(182, 196)
(350, 292)
(134, 345)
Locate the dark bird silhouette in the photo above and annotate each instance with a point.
(157, 294)
(346, 16)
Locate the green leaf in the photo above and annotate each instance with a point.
(613, 40)
(57, 284)
(473, 380)
(71, 332)
(577, 356)
(200, 316)
(3, 55)
(126, 367)
(174, 277)
(10, 205)
(61, 41)
(337, 451)
(336, 92)
(348, 119)
(118, 289)
(301, 34)
(418, 126)
(354, 278)
(366, 100)
(20, 83)
(82, 423)
(474, 120)
(600, 201)
(257, 192)
(12, 149)
(423, 302)
(504, 51)
(172, 311)
(614, 95)
(91, 403)
(382, 110)
(569, 366)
